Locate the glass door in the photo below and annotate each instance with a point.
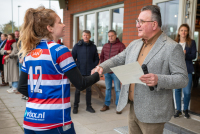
(195, 94)
(169, 14)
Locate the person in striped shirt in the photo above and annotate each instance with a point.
(46, 71)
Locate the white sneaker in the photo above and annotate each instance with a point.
(10, 89)
(25, 98)
(13, 90)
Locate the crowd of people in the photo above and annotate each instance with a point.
(10, 62)
(46, 67)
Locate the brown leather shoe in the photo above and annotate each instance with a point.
(3, 84)
(118, 112)
(104, 108)
(17, 92)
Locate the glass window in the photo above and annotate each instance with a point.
(117, 24)
(196, 38)
(103, 25)
(99, 22)
(90, 20)
(186, 12)
(169, 13)
(80, 24)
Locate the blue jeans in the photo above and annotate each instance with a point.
(108, 81)
(187, 94)
(58, 130)
(15, 84)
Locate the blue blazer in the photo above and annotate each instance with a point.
(189, 56)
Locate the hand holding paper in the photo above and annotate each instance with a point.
(129, 73)
(150, 79)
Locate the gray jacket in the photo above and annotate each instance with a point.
(167, 60)
(11, 70)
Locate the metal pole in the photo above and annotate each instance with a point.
(12, 14)
(49, 4)
(18, 16)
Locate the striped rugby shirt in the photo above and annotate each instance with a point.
(48, 105)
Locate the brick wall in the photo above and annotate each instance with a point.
(131, 12)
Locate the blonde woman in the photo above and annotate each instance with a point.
(46, 71)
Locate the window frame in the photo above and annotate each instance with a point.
(182, 14)
(95, 12)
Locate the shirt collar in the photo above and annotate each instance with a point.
(46, 40)
(153, 39)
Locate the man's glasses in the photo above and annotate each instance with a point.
(141, 22)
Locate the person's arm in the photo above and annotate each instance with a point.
(79, 81)
(192, 55)
(74, 53)
(65, 61)
(14, 51)
(117, 60)
(122, 48)
(96, 57)
(73, 75)
(2, 51)
(102, 56)
(23, 84)
(178, 77)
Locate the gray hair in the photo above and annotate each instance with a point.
(156, 15)
(86, 31)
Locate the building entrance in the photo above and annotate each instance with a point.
(195, 93)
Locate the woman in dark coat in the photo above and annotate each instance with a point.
(189, 49)
(9, 60)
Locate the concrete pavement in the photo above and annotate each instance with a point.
(12, 109)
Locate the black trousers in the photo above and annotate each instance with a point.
(88, 97)
(2, 76)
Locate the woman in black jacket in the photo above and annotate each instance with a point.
(189, 49)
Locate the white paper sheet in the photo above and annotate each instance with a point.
(129, 73)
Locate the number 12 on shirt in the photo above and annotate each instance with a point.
(37, 81)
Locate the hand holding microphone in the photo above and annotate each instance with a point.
(150, 79)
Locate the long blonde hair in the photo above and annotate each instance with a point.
(188, 39)
(34, 28)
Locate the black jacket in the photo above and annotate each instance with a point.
(1, 56)
(85, 56)
(190, 55)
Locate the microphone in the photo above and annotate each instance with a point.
(145, 70)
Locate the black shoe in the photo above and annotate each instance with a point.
(75, 110)
(178, 113)
(186, 114)
(90, 109)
